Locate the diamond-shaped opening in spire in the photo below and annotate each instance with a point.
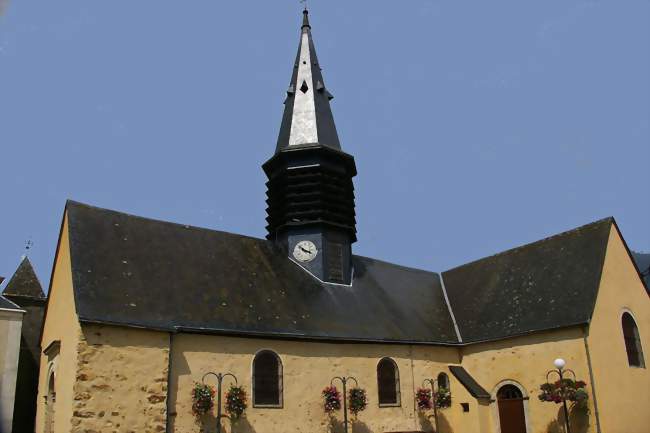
(304, 87)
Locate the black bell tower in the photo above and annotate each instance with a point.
(310, 194)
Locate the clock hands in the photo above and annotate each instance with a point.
(305, 250)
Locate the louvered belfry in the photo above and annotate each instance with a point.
(310, 191)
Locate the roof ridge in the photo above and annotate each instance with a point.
(609, 219)
(187, 226)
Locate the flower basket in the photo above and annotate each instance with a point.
(423, 399)
(202, 399)
(358, 400)
(236, 401)
(332, 399)
(564, 389)
(443, 398)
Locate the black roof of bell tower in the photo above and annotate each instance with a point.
(307, 115)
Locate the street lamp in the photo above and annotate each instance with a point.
(433, 383)
(561, 371)
(344, 380)
(220, 377)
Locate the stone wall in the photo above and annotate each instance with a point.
(121, 383)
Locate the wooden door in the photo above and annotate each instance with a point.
(511, 410)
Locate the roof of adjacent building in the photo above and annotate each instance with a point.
(24, 282)
(470, 384)
(547, 284)
(643, 265)
(134, 271)
(6, 304)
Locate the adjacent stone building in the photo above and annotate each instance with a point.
(139, 310)
(11, 320)
(24, 290)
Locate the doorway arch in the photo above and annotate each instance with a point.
(511, 408)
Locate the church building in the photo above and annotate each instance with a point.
(140, 310)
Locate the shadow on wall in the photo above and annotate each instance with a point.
(428, 422)
(240, 426)
(356, 426)
(443, 424)
(208, 424)
(360, 427)
(578, 419)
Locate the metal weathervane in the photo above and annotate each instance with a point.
(28, 245)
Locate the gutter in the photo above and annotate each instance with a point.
(319, 338)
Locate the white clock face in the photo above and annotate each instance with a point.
(305, 251)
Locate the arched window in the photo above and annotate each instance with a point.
(443, 381)
(388, 383)
(632, 341)
(267, 380)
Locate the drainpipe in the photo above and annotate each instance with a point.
(585, 334)
(168, 421)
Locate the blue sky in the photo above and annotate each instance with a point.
(476, 126)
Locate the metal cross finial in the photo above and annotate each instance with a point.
(28, 244)
(304, 2)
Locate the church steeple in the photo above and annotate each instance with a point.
(310, 194)
(307, 115)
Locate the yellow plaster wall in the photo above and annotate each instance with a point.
(526, 360)
(121, 381)
(308, 368)
(61, 324)
(623, 392)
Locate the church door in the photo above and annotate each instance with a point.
(511, 409)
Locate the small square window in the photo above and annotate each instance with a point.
(465, 407)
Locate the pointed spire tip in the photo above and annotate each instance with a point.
(305, 18)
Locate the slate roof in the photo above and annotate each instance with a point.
(643, 265)
(24, 282)
(470, 384)
(547, 284)
(6, 304)
(135, 271)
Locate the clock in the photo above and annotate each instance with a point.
(305, 251)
